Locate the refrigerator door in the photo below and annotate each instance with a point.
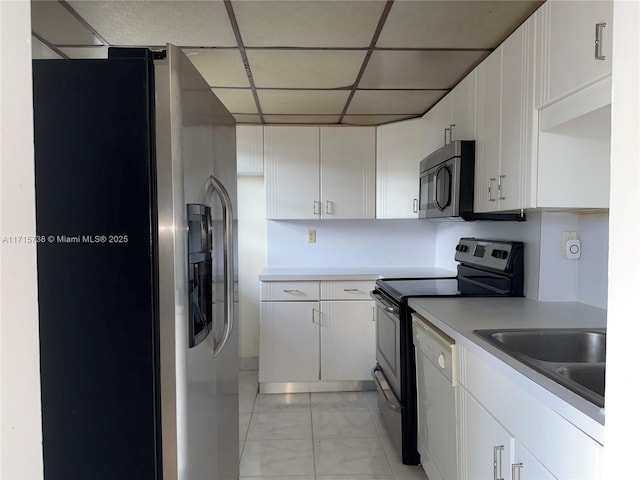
(97, 271)
(195, 141)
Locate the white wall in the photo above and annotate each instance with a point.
(252, 255)
(351, 243)
(20, 424)
(623, 327)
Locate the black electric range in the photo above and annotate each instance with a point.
(486, 268)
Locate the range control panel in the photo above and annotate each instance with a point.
(494, 254)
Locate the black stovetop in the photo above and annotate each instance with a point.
(402, 288)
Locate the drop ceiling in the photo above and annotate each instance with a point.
(356, 62)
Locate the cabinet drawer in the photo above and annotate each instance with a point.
(347, 290)
(290, 291)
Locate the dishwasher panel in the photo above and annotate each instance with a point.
(436, 400)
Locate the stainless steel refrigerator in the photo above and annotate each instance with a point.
(135, 163)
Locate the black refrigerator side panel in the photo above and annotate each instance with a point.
(95, 208)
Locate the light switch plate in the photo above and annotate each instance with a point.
(573, 249)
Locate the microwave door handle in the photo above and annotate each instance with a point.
(227, 234)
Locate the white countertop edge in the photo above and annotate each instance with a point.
(580, 412)
(284, 274)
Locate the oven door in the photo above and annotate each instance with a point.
(388, 370)
(439, 190)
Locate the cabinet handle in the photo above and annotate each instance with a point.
(515, 469)
(315, 210)
(415, 205)
(351, 290)
(500, 177)
(451, 132)
(497, 463)
(598, 49)
(329, 207)
(292, 291)
(373, 314)
(445, 135)
(491, 199)
(313, 317)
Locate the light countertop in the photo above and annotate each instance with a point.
(284, 274)
(459, 317)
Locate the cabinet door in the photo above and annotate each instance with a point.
(524, 466)
(463, 109)
(488, 124)
(292, 172)
(434, 123)
(398, 158)
(348, 340)
(516, 117)
(347, 173)
(566, 46)
(483, 440)
(250, 149)
(289, 342)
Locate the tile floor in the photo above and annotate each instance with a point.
(317, 436)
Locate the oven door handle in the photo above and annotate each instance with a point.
(384, 304)
(395, 407)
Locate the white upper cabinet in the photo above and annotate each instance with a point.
(488, 114)
(398, 156)
(452, 118)
(463, 102)
(434, 123)
(320, 172)
(292, 172)
(250, 149)
(505, 125)
(567, 59)
(347, 172)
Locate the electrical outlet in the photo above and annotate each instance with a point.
(311, 236)
(566, 236)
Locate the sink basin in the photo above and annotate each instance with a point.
(553, 345)
(590, 376)
(574, 358)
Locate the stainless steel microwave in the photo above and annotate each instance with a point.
(446, 182)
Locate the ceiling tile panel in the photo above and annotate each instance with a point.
(388, 69)
(373, 119)
(182, 23)
(86, 52)
(312, 102)
(219, 67)
(297, 119)
(237, 99)
(452, 24)
(304, 69)
(394, 102)
(349, 24)
(54, 23)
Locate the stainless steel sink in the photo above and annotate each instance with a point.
(575, 358)
(551, 345)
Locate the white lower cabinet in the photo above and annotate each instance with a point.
(489, 451)
(347, 340)
(323, 332)
(485, 444)
(538, 443)
(289, 342)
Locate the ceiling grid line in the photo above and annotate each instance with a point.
(365, 62)
(86, 25)
(243, 54)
